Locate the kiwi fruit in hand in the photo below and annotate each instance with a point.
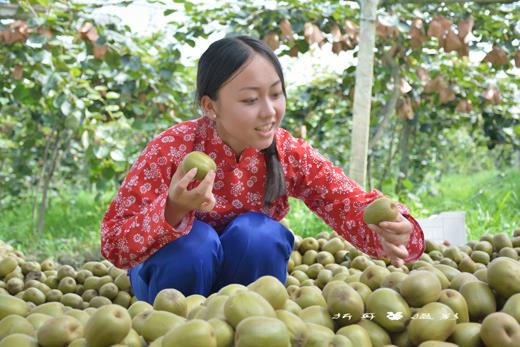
(201, 161)
(381, 210)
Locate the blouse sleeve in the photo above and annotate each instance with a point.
(134, 226)
(339, 201)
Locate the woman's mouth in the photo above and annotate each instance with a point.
(265, 130)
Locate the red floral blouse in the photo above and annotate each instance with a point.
(134, 226)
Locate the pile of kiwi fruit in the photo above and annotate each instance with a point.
(334, 296)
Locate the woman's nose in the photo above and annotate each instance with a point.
(268, 109)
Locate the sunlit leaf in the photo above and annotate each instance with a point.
(85, 141)
(112, 108)
(101, 152)
(65, 107)
(117, 155)
(112, 95)
(36, 41)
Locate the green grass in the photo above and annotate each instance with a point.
(303, 221)
(491, 201)
(71, 227)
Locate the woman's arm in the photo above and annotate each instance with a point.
(134, 226)
(340, 201)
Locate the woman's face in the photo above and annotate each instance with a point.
(249, 106)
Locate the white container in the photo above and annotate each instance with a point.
(446, 226)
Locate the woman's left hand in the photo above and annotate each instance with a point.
(394, 237)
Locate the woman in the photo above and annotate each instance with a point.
(198, 236)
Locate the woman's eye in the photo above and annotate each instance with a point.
(253, 100)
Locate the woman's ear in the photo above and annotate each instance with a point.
(208, 107)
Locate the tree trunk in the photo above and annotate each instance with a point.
(363, 92)
(2, 163)
(388, 109)
(47, 180)
(389, 159)
(404, 150)
(40, 183)
(369, 173)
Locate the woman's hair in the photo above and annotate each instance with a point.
(217, 64)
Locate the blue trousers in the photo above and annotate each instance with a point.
(201, 262)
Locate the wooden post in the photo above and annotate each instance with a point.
(363, 91)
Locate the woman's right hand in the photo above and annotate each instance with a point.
(199, 198)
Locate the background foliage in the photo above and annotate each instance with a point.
(79, 98)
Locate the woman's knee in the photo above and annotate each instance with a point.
(255, 245)
(260, 231)
(201, 244)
